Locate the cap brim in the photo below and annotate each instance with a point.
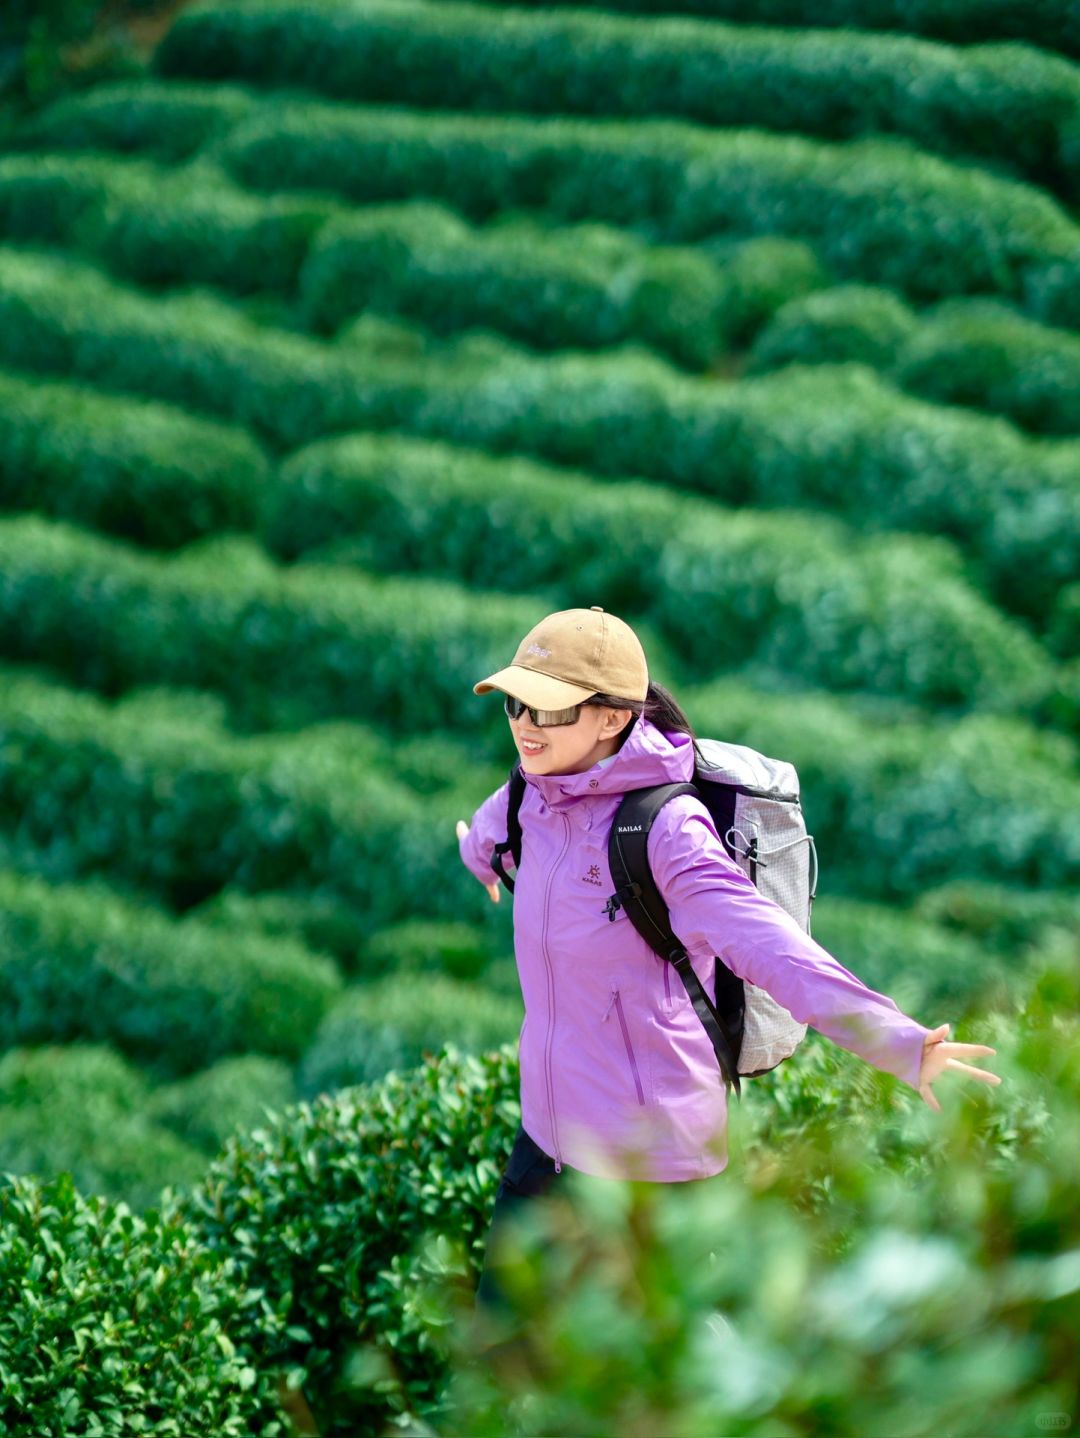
(539, 690)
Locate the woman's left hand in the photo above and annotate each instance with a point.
(939, 1054)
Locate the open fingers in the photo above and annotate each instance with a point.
(984, 1074)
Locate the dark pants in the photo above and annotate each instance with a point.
(529, 1172)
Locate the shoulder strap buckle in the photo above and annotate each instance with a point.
(619, 898)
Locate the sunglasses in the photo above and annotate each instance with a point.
(543, 718)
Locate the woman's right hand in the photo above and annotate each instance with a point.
(493, 889)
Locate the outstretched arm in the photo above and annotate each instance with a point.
(716, 908)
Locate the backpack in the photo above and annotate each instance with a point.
(755, 805)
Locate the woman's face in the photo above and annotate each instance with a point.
(569, 748)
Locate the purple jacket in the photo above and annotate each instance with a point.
(618, 1076)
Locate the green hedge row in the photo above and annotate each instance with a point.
(321, 921)
(349, 1234)
(119, 1322)
(64, 315)
(796, 593)
(172, 122)
(581, 286)
(455, 948)
(898, 804)
(84, 1109)
(283, 645)
(1013, 105)
(207, 1107)
(1051, 23)
(925, 968)
(980, 352)
(150, 798)
(143, 470)
(1000, 917)
(358, 1181)
(84, 962)
(392, 1022)
(839, 438)
(875, 210)
(975, 352)
(159, 226)
(880, 1271)
(593, 286)
(410, 1166)
(860, 323)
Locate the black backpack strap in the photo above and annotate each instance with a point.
(512, 843)
(636, 892)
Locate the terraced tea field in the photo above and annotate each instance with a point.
(348, 341)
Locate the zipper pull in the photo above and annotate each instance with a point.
(611, 1001)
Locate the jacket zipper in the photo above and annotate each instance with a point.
(616, 999)
(551, 1000)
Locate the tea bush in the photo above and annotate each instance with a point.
(114, 1322)
(79, 961)
(728, 586)
(884, 461)
(82, 1108)
(136, 468)
(168, 122)
(969, 351)
(284, 645)
(1012, 105)
(583, 286)
(322, 1208)
(205, 1108)
(156, 225)
(390, 1023)
(875, 209)
(1050, 23)
(183, 809)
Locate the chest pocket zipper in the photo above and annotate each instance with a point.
(616, 1000)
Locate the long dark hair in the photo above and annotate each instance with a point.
(659, 706)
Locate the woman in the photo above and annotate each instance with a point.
(619, 1078)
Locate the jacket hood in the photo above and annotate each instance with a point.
(648, 756)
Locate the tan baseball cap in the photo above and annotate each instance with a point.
(570, 655)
